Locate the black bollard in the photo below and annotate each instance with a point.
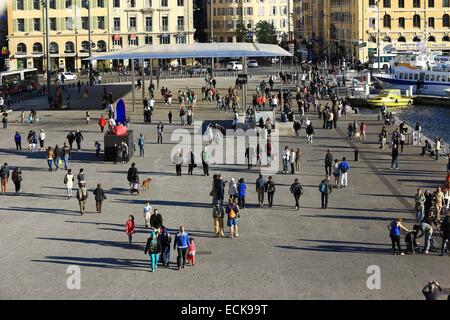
(356, 155)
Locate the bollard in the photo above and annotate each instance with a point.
(356, 155)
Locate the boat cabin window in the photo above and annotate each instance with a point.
(444, 79)
(427, 77)
(438, 78)
(411, 76)
(416, 76)
(401, 75)
(448, 79)
(432, 77)
(396, 75)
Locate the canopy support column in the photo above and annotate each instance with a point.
(132, 82)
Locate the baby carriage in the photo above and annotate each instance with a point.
(134, 188)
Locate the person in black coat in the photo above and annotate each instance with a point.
(99, 197)
(70, 138)
(78, 139)
(153, 251)
(156, 220)
(192, 163)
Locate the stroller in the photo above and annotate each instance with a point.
(412, 245)
(134, 187)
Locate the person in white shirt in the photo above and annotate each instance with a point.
(42, 139)
(147, 214)
(151, 104)
(285, 157)
(68, 180)
(111, 124)
(292, 160)
(2, 103)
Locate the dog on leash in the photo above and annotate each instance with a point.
(146, 184)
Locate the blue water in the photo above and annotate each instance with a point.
(435, 120)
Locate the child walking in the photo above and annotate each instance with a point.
(129, 228)
(88, 117)
(191, 252)
(97, 148)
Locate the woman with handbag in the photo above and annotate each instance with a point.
(16, 177)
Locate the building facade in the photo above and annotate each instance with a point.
(230, 15)
(114, 24)
(314, 21)
(4, 52)
(355, 28)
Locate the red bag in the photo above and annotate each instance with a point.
(120, 130)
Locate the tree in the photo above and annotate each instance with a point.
(241, 33)
(266, 33)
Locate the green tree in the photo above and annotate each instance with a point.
(266, 33)
(241, 33)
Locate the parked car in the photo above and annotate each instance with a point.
(274, 60)
(68, 76)
(252, 64)
(198, 70)
(234, 66)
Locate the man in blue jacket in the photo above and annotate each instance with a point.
(18, 141)
(181, 243)
(344, 167)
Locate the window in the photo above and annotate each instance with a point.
(164, 3)
(416, 39)
(52, 4)
(180, 3)
(68, 3)
(372, 3)
(181, 39)
(37, 24)
(401, 3)
(446, 21)
(180, 23)
(37, 48)
(132, 25)
(387, 3)
(69, 23)
(70, 47)
(21, 48)
(101, 23)
(132, 3)
(387, 21)
(20, 5)
(21, 25)
(446, 38)
(387, 39)
(416, 21)
(116, 4)
(401, 39)
(84, 4)
(84, 23)
(148, 40)
(101, 46)
(164, 39)
(54, 48)
(416, 3)
(401, 22)
(133, 40)
(36, 4)
(372, 23)
(446, 3)
(431, 3)
(101, 3)
(411, 76)
(148, 3)
(164, 23)
(116, 24)
(117, 41)
(53, 24)
(148, 24)
(431, 22)
(84, 46)
(431, 39)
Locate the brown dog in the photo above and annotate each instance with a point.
(146, 184)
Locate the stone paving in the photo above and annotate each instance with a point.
(280, 253)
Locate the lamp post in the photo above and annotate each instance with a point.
(87, 4)
(47, 45)
(378, 36)
(212, 33)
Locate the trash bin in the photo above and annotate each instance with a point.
(356, 155)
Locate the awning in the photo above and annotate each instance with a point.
(196, 50)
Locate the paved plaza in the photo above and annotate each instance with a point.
(280, 253)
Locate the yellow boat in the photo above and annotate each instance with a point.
(391, 98)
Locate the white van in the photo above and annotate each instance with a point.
(234, 66)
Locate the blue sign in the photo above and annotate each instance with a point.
(250, 34)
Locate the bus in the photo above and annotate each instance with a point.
(383, 62)
(12, 82)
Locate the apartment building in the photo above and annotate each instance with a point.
(229, 15)
(4, 52)
(113, 24)
(352, 28)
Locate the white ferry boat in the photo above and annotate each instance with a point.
(427, 72)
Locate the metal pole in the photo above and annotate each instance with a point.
(212, 33)
(378, 40)
(47, 38)
(132, 81)
(143, 80)
(90, 42)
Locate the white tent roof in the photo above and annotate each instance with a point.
(196, 50)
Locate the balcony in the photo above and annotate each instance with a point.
(147, 10)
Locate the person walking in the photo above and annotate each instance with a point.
(328, 162)
(292, 157)
(147, 214)
(309, 133)
(394, 156)
(181, 244)
(242, 193)
(232, 212)
(325, 190)
(18, 141)
(4, 176)
(395, 228)
(296, 190)
(66, 155)
(159, 132)
(297, 161)
(132, 174)
(153, 249)
(218, 215)
(233, 189)
(344, 167)
(260, 189)
(445, 229)
(42, 139)
(80, 178)
(102, 123)
(156, 219)
(178, 161)
(68, 181)
(270, 187)
(57, 153)
(141, 143)
(336, 173)
(50, 157)
(165, 239)
(82, 196)
(16, 178)
(192, 164)
(419, 199)
(427, 231)
(129, 228)
(99, 194)
(78, 138)
(285, 157)
(439, 203)
(71, 138)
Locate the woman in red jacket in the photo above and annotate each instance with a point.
(102, 123)
(129, 228)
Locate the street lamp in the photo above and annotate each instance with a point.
(47, 45)
(212, 33)
(87, 4)
(378, 36)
